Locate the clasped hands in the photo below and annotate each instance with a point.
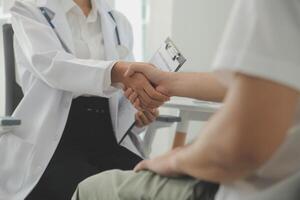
(141, 84)
(143, 93)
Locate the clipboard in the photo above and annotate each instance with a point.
(167, 58)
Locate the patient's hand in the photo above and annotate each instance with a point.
(164, 165)
(149, 97)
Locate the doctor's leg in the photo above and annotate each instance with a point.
(87, 147)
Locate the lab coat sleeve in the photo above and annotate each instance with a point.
(49, 61)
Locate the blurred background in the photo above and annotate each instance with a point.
(196, 26)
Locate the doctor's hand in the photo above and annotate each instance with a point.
(144, 118)
(148, 96)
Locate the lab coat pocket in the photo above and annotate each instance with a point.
(13, 151)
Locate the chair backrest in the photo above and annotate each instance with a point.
(13, 92)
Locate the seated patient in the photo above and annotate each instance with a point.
(253, 142)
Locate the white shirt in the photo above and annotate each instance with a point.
(86, 31)
(263, 40)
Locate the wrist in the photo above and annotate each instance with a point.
(170, 85)
(118, 71)
(176, 162)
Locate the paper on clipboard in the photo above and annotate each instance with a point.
(168, 57)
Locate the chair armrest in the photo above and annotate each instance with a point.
(162, 121)
(168, 119)
(7, 124)
(9, 121)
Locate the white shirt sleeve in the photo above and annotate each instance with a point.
(262, 40)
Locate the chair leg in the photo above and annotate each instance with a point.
(179, 139)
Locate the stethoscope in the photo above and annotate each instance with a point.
(116, 29)
(48, 14)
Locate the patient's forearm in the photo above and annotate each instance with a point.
(202, 86)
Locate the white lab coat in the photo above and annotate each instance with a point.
(49, 76)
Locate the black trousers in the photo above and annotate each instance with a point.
(88, 146)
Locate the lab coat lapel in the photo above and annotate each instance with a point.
(59, 21)
(108, 30)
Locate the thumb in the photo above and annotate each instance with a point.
(140, 166)
(130, 71)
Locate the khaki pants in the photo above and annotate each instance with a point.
(128, 185)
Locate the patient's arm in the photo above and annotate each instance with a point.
(242, 136)
(197, 85)
(202, 86)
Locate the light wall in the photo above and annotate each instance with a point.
(197, 29)
(158, 25)
(198, 26)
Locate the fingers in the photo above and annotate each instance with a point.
(137, 104)
(144, 118)
(141, 166)
(131, 95)
(150, 115)
(148, 100)
(128, 92)
(138, 121)
(155, 95)
(146, 121)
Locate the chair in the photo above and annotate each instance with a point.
(13, 92)
(144, 144)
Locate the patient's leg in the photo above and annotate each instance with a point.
(123, 185)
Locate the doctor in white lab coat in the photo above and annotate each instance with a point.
(69, 99)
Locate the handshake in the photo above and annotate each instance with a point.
(145, 86)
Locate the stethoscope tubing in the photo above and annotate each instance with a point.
(48, 18)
